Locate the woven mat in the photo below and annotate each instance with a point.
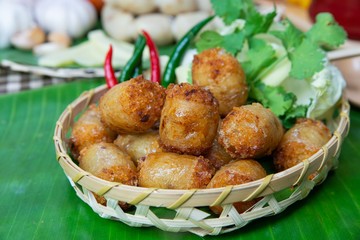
(12, 82)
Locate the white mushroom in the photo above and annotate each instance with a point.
(174, 7)
(117, 23)
(158, 26)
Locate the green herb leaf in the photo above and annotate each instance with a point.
(280, 102)
(209, 39)
(231, 10)
(292, 114)
(276, 98)
(258, 23)
(259, 56)
(232, 43)
(291, 37)
(307, 59)
(326, 32)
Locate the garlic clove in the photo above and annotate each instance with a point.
(59, 38)
(28, 38)
(47, 48)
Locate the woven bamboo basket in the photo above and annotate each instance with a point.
(187, 210)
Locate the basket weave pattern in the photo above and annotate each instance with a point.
(278, 191)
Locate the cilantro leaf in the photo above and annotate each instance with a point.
(208, 39)
(231, 10)
(326, 32)
(292, 114)
(258, 23)
(259, 56)
(232, 43)
(280, 102)
(275, 98)
(306, 60)
(291, 37)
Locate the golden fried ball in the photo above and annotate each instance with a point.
(250, 131)
(217, 155)
(189, 119)
(108, 162)
(235, 173)
(300, 142)
(223, 75)
(139, 145)
(174, 171)
(89, 130)
(133, 106)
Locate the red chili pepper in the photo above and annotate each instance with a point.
(110, 77)
(154, 59)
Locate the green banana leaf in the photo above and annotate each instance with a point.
(37, 201)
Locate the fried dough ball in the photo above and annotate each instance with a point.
(250, 131)
(235, 173)
(139, 145)
(217, 155)
(223, 75)
(89, 130)
(189, 119)
(108, 162)
(174, 171)
(133, 106)
(300, 142)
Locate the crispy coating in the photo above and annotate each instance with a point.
(217, 155)
(250, 131)
(235, 173)
(189, 119)
(139, 145)
(174, 171)
(223, 75)
(89, 130)
(133, 106)
(108, 162)
(300, 142)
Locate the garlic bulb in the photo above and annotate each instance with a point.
(11, 23)
(157, 25)
(73, 17)
(135, 6)
(118, 23)
(175, 7)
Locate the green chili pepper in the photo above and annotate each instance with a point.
(138, 70)
(134, 61)
(179, 51)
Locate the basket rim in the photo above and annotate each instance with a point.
(174, 198)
